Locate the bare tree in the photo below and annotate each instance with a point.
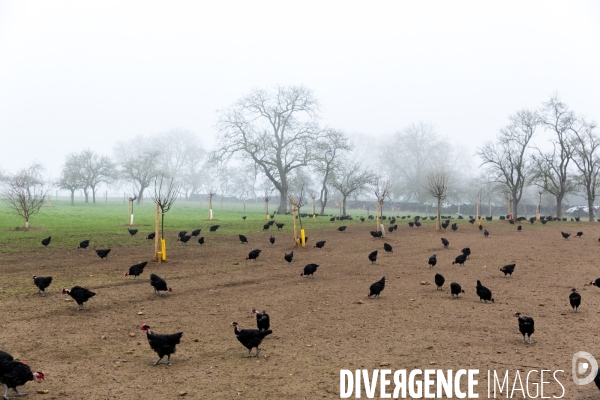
(164, 196)
(587, 159)
(381, 189)
(276, 130)
(437, 186)
(71, 178)
(138, 160)
(507, 157)
(349, 178)
(410, 155)
(180, 151)
(26, 192)
(329, 148)
(95, 170)
(552, 167)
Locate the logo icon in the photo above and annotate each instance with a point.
(581, 367)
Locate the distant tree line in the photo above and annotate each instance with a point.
(273, 141)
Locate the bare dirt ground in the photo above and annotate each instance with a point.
(320, 325)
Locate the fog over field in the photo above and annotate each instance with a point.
(86, 75)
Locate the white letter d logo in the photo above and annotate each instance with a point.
(583, 367)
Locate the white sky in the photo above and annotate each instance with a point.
(77, 74)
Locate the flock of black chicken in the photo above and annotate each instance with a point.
(14, 373)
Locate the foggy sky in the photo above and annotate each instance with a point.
(79, 74)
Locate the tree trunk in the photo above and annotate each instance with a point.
(591, 209)
(439, 215)
(344, 205)
(72, 197)
(324, 192)
(515, 208)
(283, 197)
(559, 200)
(85, 192)
(94, 195)
(141, 194)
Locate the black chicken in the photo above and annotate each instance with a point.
(159, 284)
(163, 345)
(480, 227)
(579, 234)
(575, 299)
(445, 224)
(466, 251)
(454, 227)
(445, 242)
(15, 373)
(132, 232)
(201, 240)
(376, 234)
(439, 281)
(181, 233)
(250, 338)
(432, 261)
(244, 217)
(243, 239)
(388, 248)
(565, 235)
(486, 233)
(596, 282)
(391, 229)
(508, 269)
(319, 245)
(84, 244)
(288, 257)
(417, 224)
(184, 239)
(376, 288)
(519, 228)
(137, 269)
(195, 232)
(484, 293)
(373, 256)
(455, 289)
(102, 253)
(310, 269)
(266, 226)
(151, 235)
(263, 321)
(253, 255)
(279, 225)
(79, 294)
(526, 326)
(460, 260)
(214, 228)
(341, 228)
(42, 282)
(272, 240)
(411, 224)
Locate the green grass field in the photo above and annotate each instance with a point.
(106, 223)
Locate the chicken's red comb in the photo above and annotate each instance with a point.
(143, 325)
